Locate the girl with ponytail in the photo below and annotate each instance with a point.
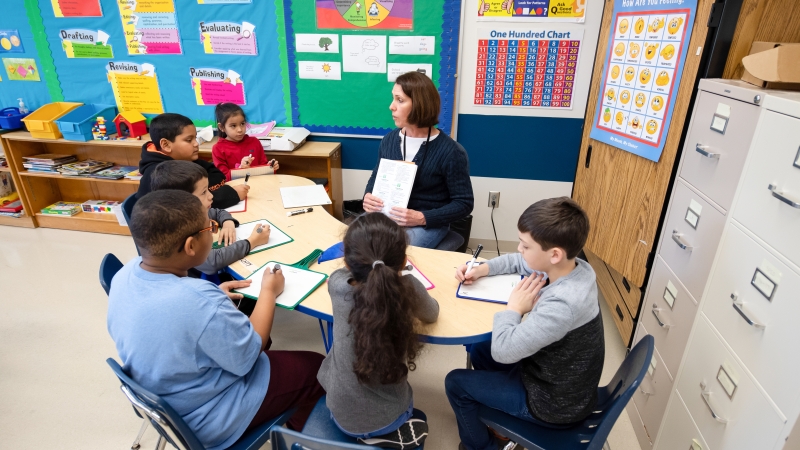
(375, 316)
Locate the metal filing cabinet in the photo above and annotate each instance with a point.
(714, 153)
(736, 387)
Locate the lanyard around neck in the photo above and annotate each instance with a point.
(405, 136)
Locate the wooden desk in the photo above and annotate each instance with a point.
(312, 160)
(460, 321)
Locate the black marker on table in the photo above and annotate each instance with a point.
(299, 211)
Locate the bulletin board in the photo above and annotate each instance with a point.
(184, 56)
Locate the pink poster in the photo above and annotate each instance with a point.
(212, 86)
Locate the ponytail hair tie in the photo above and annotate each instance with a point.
(376, 263)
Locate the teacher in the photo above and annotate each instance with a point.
(442, 191)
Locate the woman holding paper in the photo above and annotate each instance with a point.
(442, 190)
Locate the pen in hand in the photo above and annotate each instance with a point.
(246, 177)
(275, 268)
(472, 261)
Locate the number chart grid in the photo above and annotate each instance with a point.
(526, 73)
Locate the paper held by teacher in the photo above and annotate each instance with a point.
(393, 183)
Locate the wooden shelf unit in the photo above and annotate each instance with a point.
(26, 220)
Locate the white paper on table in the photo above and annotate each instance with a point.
(310, 43)
(393, 183)
(414, 272)
(412, 45)
(298, 196)
(319, 70)
(364, 53)
(489, 289)
(397, 69)
(299, 283)
(276, 236)
(239, 207)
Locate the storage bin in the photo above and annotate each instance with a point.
(11, 118)
(41, 123)
(77, 124)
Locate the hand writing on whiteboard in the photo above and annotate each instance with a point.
(407, 217)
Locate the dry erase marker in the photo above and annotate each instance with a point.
(299, 211)
(474, 257)
(246, 177)
(276, 268)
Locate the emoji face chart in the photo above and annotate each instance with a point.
(645, 56)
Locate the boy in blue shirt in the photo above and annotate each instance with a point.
(183, 339)
(544, 370)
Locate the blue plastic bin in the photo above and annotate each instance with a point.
(77, 124)
(11, 118)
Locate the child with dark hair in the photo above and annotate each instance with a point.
(174, 136)
(191, 178)
(546, 369)
(235, 149)
(375, 341)
(183, 339)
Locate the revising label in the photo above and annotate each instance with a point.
(727, 378)
(135, 87)
(670, 293)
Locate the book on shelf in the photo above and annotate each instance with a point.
(15, 215)
(13, 207)
(62, 209)
(9, 198)
(99, 206)
(113, 172)
(134, 175)
(86, 167)
(50, 159)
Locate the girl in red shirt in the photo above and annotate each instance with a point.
(235, 149)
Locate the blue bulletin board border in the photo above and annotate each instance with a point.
(448, 66)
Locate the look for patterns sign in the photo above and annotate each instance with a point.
(646, 52)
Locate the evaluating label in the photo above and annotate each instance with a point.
(670, 293)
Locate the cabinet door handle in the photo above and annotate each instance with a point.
(678, 238)
(780, 196)
(738, 305)
(661, 323)
(706, 395)
(703, 150)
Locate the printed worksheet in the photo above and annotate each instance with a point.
(393, 183)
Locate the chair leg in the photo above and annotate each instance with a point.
(135, 445)
(510, 446)
(327, 338)
(162, 443)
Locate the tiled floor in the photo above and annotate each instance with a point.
(56, 390)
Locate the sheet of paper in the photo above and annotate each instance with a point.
(364, 53)
(213, 86)
(298, 196)
(414, 272)
(319, 70)
(276, 236)
(228, 38)
(393, 183)
(135, 87)
(316, 43)
(397, 69)
(490, 289)
(299, 283)
(412, 45)
(239, 207)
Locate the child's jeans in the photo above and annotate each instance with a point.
(498, 386)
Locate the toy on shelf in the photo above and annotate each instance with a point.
(130, 125)
(99, 132)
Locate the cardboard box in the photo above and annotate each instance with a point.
(773, 65)
(287, 138)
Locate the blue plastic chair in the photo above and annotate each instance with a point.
(592, 432)
(108, 268)
(170, 425)
(127, 211)
(320, 429)
(285, 439)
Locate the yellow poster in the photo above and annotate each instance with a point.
(532, 10)
(135, 87)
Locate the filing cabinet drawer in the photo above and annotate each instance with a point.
(765, 351)
(680, 432)
(690, 238)
(708, 376)
(645, 442)
(669, 324)
(713, 160)
(773, 214)
(652, 396)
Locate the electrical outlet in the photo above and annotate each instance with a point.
(494, 196)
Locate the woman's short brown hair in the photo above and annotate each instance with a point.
(425, 103)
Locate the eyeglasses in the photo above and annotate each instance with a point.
(214, 228)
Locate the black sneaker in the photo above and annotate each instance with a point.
(410, 435)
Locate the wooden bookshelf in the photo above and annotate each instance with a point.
(26, 220)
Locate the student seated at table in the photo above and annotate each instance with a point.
(191, 178)
(544, 370)
(375, 313)
(182, 338)
(235, 149)
(174, 136)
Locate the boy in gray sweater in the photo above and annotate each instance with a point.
(545, 369)
(191, 178)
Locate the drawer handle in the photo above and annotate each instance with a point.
(707, 399)
(661, 323)
(703, 150)
(738, 305)
(780, 196)
(678, 238)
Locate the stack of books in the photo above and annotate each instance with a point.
(47, 162)
(134, 175)
(11, 205)
(3, 162)
(83, 168)
(113, 173)
(62, 209)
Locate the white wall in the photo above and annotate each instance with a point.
(515, 196)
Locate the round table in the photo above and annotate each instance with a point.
(460, 321)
